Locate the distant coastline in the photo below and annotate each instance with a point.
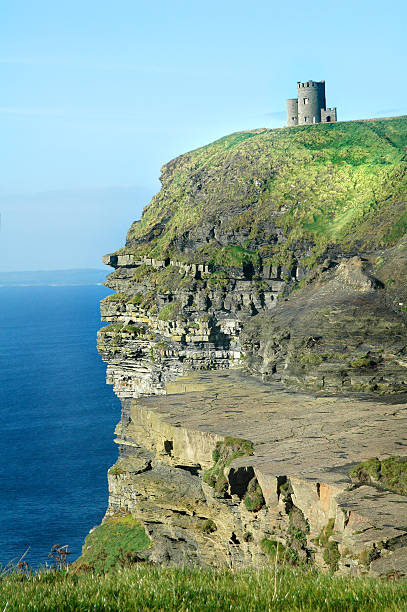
(53, 278)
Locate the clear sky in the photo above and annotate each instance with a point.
(97, 95)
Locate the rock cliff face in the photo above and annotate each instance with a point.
(345, 331)
(169, 317)
(282, 252)
(225, 469)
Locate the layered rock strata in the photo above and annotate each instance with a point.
(300, 451)
(167, 318)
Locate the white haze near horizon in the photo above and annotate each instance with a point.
(66, 229)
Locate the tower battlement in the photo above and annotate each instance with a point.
(310, 105)
(309, 84)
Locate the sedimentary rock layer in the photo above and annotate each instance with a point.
(303, 448)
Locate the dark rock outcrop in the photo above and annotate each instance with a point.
(345, 331)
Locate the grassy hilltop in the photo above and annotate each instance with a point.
(272, 194)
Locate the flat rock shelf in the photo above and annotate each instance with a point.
(302, 450)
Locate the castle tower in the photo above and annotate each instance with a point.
(328, 115)
(311, 99)
(292, 111)
(310, 106)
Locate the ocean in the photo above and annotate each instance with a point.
(57, 420)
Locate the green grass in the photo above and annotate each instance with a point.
(253, 499)
(136, 299)
(170, 311)
(114, 543)
(208, 526)
(317, 183)
(230, 256)
(117, 328)
(307, 357)
(133, 329)
(390, 473)
(113, 328)
(280, 554)
(195, 590)
(116, 469)
(326, 532)
(116, 297)
(272, 548)
(223, 455)
(363, 362)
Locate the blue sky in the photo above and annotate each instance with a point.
(96, 96)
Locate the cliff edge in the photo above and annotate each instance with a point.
(281, 253)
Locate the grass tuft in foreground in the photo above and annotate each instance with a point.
(151, 588)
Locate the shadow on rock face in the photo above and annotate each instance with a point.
(345, 331)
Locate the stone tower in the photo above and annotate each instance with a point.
(310, 105)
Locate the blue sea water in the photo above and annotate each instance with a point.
(57, 418)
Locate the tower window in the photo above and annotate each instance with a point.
(306, 100)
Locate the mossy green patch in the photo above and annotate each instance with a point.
(208, 526)
(326, 532)
(229, 256)
(272, 548)
(141, 272)
(134, 330)
(307, 357)
(223, 455)
(331, 553)
(253, 498)
(117, 469)
(170, 311)
(170, 279)
(116, 297)
(363, 362)
(278, 553)
(114, 543)
(113, 328)
(136, 299)
(390, 473)
(117, 329)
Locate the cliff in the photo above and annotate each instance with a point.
(281, 252)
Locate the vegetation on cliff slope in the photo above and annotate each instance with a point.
(150, 588)
(223, 455)
(113, 543)
(390, 473)
(272, 192)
